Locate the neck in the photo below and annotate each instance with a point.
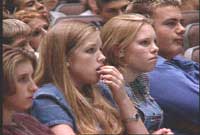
(7, 115)
(129, 75)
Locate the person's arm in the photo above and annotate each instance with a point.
(50, 112)
(114, 79)
(62, 129)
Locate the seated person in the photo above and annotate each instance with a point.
(175, 81)
(18, 89)
(68, 100)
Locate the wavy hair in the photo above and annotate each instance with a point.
(117, 34)
(11, 58)
(59, 43)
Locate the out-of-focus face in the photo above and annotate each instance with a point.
(25, 88)
(33, 5)
(169, 31)
(23, 42)
(112, 9)
(86, 60)
(39, 28)
(141, 54)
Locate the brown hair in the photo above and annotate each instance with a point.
(11, 58)
(57, 46)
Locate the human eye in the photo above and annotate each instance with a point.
(144, 42)
(30, 4)
(36, 33)
(171, 23)
(23, 79)
(91, 50)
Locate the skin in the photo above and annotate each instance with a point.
(39, 28)
(112, 9)
(143, 47)
(86, 60)
(34, 5)
(25, 88)
(86, 67)
(23, 97)
(169, 31)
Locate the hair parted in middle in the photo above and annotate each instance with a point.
(56, 47)
(118, 33)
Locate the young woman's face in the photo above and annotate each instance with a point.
(33, 5)
(169, 30)
(141, 54)
(25, 88)
(39, 28)
(86, 60)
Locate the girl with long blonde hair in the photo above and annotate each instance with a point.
(69, 100)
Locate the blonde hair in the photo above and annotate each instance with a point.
(118, 33)
(55, 49)
(13, 28)
(11, 58)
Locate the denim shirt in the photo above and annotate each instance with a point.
(175, 86)
(51, 108)
(149, 110)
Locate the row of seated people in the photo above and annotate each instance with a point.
(183, 127)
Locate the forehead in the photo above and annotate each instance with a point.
(116, 4)
(148, 30)
(23, 67)
(167, 12)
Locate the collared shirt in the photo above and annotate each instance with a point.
(51, 108)
(174, 85)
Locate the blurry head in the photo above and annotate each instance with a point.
(18, 69)
(38, 23)
(110, 8)
(129, 43)
(72, 47)
(27, 5)
(167, 22)
(16, 33)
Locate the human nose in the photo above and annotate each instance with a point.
(33, 87)
(180, 29)
(101, 57)
(40, 6)
(154, 48)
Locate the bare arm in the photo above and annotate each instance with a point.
(62, 129)
(114, 79)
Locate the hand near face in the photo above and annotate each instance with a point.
(163, 131)
(114, 79)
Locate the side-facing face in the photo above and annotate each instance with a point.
(86, 60)
(112, 9)
(25, 88)
(141, 54)
(169, 30)
(39, 28)
(34, 5)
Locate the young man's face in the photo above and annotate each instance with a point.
(112, 9)
(169, 30)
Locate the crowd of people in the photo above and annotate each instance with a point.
(126, 75)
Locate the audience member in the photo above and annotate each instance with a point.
(34, 5)
(129, 45)
(175, 81)
(16, 33)
(110, 8)
(68, 99)
(18, 90)
(38, 23)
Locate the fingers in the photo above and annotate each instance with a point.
(163, 131)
